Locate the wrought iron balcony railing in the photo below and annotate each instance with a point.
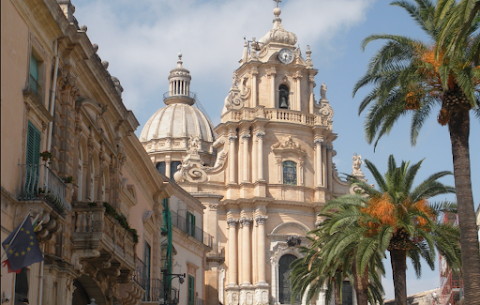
(139, 275)
(191, 229)
(154, 290)
(38, 182)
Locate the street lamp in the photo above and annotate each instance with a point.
(166, 292)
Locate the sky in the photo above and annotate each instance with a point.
(141, 39)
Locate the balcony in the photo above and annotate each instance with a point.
(154, 291)
(98, 237)
(38, 182)
(193, 231)
(273, 115)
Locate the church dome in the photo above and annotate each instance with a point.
(179, 119)
(278, 34)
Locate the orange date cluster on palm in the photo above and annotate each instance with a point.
(452, 100)
(400, 241)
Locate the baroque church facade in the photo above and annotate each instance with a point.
(263, 174)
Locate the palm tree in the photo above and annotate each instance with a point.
(412, 76)
(397, 217)
(332, 256)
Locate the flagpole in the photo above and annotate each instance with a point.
(18, 230)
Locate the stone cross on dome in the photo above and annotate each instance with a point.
(278, 1)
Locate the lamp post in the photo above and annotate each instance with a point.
(168, 277)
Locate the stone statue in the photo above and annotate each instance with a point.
(357, 162)
(323, 92)
(194, 145)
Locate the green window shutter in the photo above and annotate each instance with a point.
(191, 224)
(33, 144)
(34, 67)
(191, 290)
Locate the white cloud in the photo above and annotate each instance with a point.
(141, 39)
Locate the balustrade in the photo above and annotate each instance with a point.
(94, 229)
(39, 182)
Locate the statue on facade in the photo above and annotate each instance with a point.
(357, 162)
(323, 92)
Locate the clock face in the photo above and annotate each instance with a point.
(285, 56)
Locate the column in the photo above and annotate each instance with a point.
(261, 248)
(298, 105)
(272, 87)
(260, 136)
(318, 162)
(254, 87)
(232, 158)
(246, 253)
(329, 167)
(311, 85)
(232, 251)
(246, 166)
(168, 162)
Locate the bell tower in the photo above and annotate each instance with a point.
(278, 138)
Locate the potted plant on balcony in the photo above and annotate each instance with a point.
(68, 179)
(46, 155)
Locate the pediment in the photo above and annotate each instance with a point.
(288, 146)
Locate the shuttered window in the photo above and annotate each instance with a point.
(191, 224)
(33, 144)
(32, 160)
(191, 290)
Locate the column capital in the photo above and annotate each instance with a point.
(260, 219)
(260, 134)
(232, 138)
(245, 136)
(232, 222)
(318, 141)
(246, 221)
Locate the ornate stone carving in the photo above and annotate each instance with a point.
(357, 163)
(232, 138)
(294, 240)
(246, 221)
(219, 163)
(260, 219)
(232, 222)
(288, 144)
(260, 135)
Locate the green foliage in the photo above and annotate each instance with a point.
(122, 220)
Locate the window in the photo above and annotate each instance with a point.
(21, 286)
(173, 167)
(191, 290)
(161, 167)
(191, 224)
(148, 251)
(283, 97)
(285, 287)
(289, 173)
(34, 75)
(347, 293)
(92, 181)
(32, 160)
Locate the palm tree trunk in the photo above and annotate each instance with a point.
(361, 285)
(398, 259)
(337, 295)
(459, 126)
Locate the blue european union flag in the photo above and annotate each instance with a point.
(24, 249)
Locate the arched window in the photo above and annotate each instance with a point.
(289, 173)
(173, 167)
(283, 97)
(284, 285)
(161, 167)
